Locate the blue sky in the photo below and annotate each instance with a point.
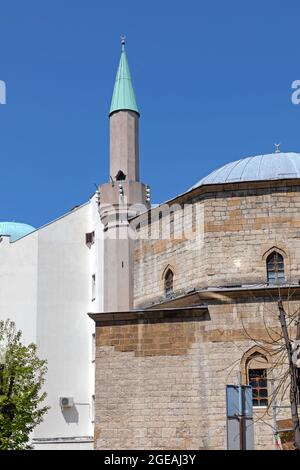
(212, 80)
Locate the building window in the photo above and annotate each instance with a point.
(172, 225)
(259, 383)
(93, 287)
(90, 239)
(93, 347)
(93, 409)
(120, 176)
(149, 224)
(254, 369)
(275, 268)
(169, 277)
(160, 226)
(194, 227)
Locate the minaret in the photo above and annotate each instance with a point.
(124, 124)
(121, 197)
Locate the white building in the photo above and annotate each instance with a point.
(49, 279)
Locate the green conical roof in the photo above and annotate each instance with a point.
(123, 95)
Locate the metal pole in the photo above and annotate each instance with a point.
(241, 414)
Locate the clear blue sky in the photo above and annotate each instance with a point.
(212, 80)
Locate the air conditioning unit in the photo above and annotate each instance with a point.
(66, 402)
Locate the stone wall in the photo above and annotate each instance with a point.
(242, 226)
(160, 384)
(237, 226)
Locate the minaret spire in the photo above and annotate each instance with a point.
(123, 95)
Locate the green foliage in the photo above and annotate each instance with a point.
(21, 380)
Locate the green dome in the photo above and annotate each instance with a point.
(15, 230)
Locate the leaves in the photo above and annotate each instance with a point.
(21, 380)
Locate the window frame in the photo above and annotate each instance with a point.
(275, 268)
(257, 358)
(93, 294)
(90, 238)
(169, 283)
(257, 377)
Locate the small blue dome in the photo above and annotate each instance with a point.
(272, 166)
(15, 230)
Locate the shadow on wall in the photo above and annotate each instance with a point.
(71, 415)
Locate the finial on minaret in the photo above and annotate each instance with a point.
(277, 148)
(123, 41)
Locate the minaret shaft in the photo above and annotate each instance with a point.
(124, 144)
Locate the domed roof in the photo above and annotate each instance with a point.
(271, 166)
(15, 230)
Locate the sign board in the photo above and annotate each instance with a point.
(239, 411)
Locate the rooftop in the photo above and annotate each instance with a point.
(123, 95)
(272, 166)
(15, 230)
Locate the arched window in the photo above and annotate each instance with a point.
(275, 268)
(254, 368)
(258, 379)
(169, 276)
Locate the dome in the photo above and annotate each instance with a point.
(271, 166)
(15, 230)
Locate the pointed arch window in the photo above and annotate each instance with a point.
(275, 268)
(169, 281)
(255, 369)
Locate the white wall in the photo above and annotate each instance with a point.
(46, 278)
(18, 284)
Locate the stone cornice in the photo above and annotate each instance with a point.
(236, 186)
(225, 294)
(186, 307)
(151, 316)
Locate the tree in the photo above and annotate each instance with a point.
(21, 379)
(292, 373)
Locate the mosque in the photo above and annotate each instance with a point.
(146, 312)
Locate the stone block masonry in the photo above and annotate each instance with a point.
(160, 381)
